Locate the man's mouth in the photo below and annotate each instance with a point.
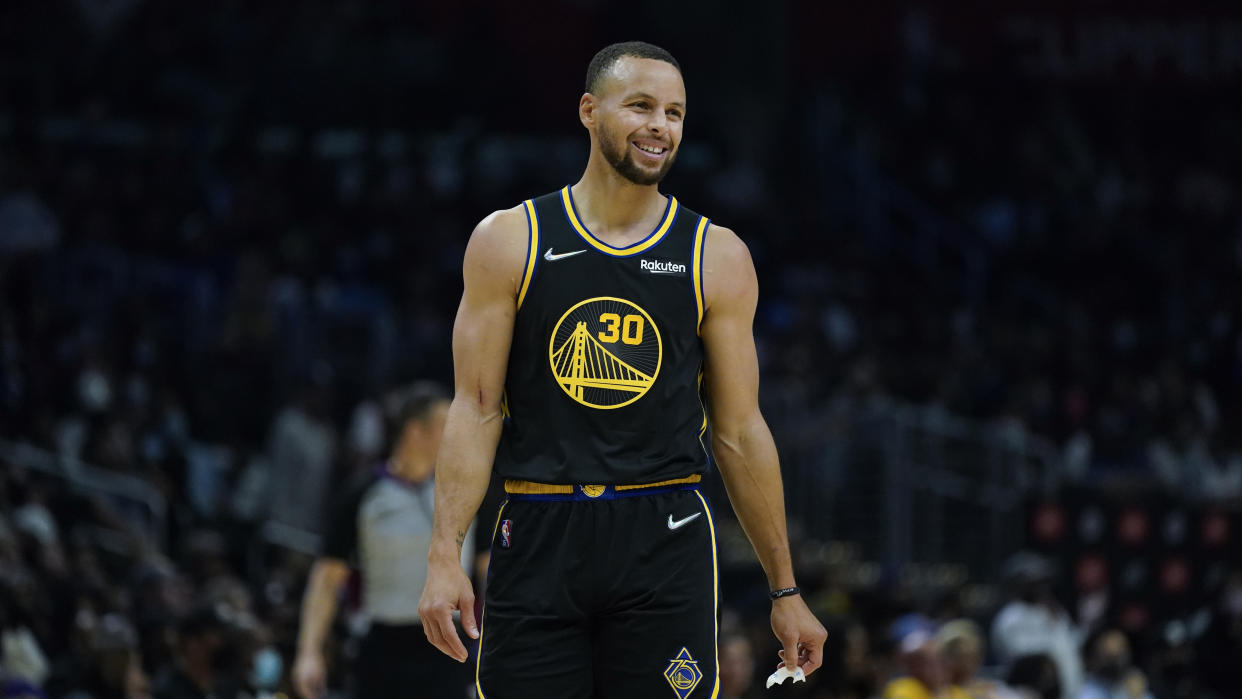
(653, 150)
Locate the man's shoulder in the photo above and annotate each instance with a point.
(502, 221)
(519, 214)
(498, 244)
(726, 242)
(728, 270)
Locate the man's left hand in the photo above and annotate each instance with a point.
(800, 633)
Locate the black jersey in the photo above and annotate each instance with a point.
(606, 362)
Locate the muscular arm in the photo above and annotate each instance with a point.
(741, 440)
(482, 333)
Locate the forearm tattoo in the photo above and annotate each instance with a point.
(461, 539)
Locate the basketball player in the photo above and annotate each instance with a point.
(382, 522)
(593, 318)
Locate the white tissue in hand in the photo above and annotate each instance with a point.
(782, 673)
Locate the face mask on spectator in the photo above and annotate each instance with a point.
(266, 668)
(94, 391)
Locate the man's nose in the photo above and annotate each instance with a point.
(658, 122)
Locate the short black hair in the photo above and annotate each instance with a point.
(612, 53)
(418, 401)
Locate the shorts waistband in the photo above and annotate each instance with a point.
(530, 490)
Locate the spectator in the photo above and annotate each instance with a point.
(199, 666)
(922, 672)
(116, 670)
(303, 453)
(1034, 676)
(1218, 665)
(1034, 622)
(21, 658)
(849, 670)
(1111, 675)
(23, 661)
(737, 667)
(961, 653)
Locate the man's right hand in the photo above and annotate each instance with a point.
(310, 675)
(447, 589)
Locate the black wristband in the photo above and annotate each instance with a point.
(785, 592)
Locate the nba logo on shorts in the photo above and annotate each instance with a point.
(506, 531)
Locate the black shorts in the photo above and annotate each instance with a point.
(397, 662)
(605, 597)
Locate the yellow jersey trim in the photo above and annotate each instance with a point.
(532, 249)
(641, 246)
(478, 660)
(703, 427)
(711, 527)
(676, 481)
(519, 487)
(696, 264)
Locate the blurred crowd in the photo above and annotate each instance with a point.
(89, 608)
(1058, 258)
(212, 275)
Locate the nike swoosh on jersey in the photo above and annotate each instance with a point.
(681, 522)
(553, 258)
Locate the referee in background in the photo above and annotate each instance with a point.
(381, 524)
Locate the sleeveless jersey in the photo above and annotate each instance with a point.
(603, 382)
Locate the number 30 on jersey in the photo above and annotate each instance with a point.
(605, 352)
(631, 328)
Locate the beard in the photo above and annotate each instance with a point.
(617, 153)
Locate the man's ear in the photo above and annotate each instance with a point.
(586, 109)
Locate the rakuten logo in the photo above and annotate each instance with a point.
(662, 267)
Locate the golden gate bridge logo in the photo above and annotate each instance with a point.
(605, 352)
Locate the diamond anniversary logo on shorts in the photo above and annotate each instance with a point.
(605, 352)
(683, 674)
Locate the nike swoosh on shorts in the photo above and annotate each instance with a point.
(681, 522)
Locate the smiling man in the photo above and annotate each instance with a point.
(602, 327)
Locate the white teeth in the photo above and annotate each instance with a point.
(650, 149)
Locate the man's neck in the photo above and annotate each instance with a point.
(613, 208)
